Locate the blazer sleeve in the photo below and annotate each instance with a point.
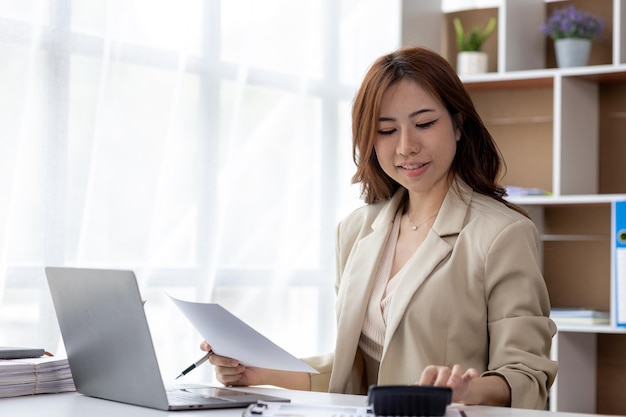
(347, 233)
(324, 365)
(520, 328)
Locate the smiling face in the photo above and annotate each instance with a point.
(416, 139)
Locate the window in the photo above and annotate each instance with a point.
(203, 144)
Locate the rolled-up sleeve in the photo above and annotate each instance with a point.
(324, 365)
(520, 329)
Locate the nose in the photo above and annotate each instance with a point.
(408, 142)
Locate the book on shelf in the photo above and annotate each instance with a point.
(39, 375)
(619, 239)
(584, 316)
(515, 191)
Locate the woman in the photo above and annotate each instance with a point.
(438, 277)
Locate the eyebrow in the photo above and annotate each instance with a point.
(413, 114)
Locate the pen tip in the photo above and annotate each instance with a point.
(179, 376)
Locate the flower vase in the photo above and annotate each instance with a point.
(572, 52)
(471, 62)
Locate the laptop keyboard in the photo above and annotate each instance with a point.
(181, 397)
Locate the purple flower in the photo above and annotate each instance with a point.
(569, 22)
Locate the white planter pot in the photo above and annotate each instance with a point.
(572, 52)
(471, 62)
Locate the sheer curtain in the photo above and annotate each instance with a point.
(204, 144)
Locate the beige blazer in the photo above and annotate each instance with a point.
(472, 294)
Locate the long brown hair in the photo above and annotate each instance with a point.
(477, 161)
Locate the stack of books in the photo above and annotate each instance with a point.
(29, 376)
(580, 316)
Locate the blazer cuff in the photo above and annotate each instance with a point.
(324, 365)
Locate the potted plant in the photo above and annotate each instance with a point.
(470, 58)
(573, 31)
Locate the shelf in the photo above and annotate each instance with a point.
(567, 200)
(560, 130)
(591, 329)
(603, 74)
(575, 238)
(519, 43)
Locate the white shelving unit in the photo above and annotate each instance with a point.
(563, 131)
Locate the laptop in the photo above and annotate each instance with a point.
(109, 346)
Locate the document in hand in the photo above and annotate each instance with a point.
(231, 337)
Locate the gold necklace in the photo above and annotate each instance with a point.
(414, 227)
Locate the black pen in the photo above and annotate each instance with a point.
(196, 364)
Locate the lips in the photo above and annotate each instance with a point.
(414, 169)
(411, 166)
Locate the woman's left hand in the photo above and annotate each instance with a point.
(456, 378)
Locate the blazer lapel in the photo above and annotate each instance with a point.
(431, 252)
(357, 281)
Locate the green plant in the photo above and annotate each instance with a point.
(474, 39)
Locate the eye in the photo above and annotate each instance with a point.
(426, 125)
(386, 131)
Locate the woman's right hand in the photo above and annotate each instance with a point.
(231, 373)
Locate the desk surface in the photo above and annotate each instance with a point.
(75, 405)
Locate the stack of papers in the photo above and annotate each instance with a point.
(42, 375)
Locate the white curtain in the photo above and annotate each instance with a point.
(204, 144)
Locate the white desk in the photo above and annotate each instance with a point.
(77, 405)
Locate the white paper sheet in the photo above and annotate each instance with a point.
(275, 409)
(231, 337)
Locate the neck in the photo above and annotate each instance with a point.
(419, 206)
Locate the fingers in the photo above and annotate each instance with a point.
(223, 362)
(444, 376)
(435, 375)
(456, 376)
(229, 375)
(470, 374)
(228, 371)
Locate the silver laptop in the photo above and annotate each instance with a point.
(109, 346)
